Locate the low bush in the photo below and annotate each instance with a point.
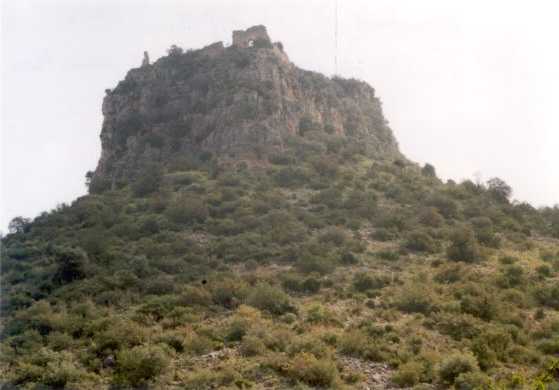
(464, 246)
(431, 217)
(449, 274)
(472, 381)
(416, 299)
(306, 368)
(512, 276)
(455, 365)
(353, 343)
(186, 209)
(421, 242)
(388, 255)
(383, 234)
(198, 344)
(252, 346)
(364, 282)
(548, 295)
(271, 299)
(148, 181)
(140, 364)
(408, 374)
(309, 263)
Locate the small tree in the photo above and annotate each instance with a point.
(500, 190)
(19, 225)
(174, 51)
(428, 170)
(70, 265)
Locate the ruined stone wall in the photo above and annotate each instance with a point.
(243, 38)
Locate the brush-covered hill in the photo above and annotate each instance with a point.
(253, 225)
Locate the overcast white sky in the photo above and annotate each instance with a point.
(469, 86)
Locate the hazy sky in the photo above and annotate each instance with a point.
(469, 86)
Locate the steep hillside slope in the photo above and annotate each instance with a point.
(255, 226)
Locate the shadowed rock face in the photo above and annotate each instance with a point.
(239, 102)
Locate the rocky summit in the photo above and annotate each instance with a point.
(241, 103)
(252, 225)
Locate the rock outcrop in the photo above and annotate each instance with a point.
(242, 101)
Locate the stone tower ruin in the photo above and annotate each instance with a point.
(246, 38)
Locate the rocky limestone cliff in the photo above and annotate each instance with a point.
(241, 102)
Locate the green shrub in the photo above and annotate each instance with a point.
(70, 265)
(174, 341)
(319, 314)
(353, 343)
(548, 295)
(483, 228)
(421, 242)
(384, 235)
(449, 274)
(512, 276)
(195, 296)
(252, 346)
(306, 368)
(446, 206)
(159, 285)
(140, 364)
(118, 334)
(364, 282)
(291, 177)
(428, 170)
(59, 341)
(198, 344)
(324, 166)
(49, 369)
(544, 271)
(431, 217)
(309, 285)
(408, 374)
(348, 258)
(455, 365)
(309, 263)
(270, 299)
(204, 378)
(457, 326)
(388, 255)
(507, 260)
(229, 292)
(148, 181)
(472, 381)
(491, 345)
(480, 304)
(464, 246)
(549, 346)
(185, 210)
(333, 236)
(416, 299)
